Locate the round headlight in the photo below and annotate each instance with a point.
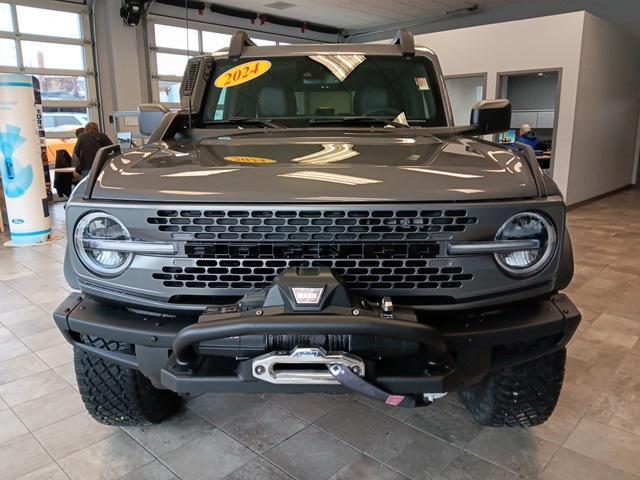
(89, 231)
(527, 226)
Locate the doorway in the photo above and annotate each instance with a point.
(535, 98)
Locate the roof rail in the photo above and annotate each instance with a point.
(404, 38)
(239, 41)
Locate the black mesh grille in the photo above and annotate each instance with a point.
(190, 77)
(312, 225)
(363, 274)
(311, 250)
(378, 249)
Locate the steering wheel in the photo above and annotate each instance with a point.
(382, 112)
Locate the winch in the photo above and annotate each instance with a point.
(309, 290)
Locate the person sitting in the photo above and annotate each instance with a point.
(87, 146)
(527, 136)
(63, 181)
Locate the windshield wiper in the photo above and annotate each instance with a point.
(246, 121)
(356, 120)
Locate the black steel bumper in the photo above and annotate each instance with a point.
(465, 346)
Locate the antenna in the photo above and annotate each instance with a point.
(186, 17)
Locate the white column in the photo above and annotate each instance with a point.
(21, 163)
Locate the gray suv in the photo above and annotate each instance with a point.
(311, 220)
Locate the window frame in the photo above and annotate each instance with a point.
(85, 41)
(200, 27)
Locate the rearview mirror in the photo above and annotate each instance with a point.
(491, 116)
(149, 116)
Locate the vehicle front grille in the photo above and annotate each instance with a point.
(379, 248)
(312, 225)
(358, 274)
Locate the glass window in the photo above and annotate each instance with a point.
(328, 89)
(52, 55)
(176, 37)
(8, 49)
(6, 23)
(464, 93)
(262, 42)
(64, 119)
(59, 88)
(169, 91)
(41, 21)
(171, 64)
(212, 41)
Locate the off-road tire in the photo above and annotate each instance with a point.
(524, 395)
(116, 395)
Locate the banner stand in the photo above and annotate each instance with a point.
(21, 164)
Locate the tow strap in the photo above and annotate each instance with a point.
(354, 382)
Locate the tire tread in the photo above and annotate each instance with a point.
(116, 395)
(524, 395)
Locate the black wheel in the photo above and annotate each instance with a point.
(524, 395)
(115, 395)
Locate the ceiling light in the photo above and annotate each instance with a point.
(280, 5)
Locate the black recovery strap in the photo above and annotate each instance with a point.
(354, 382)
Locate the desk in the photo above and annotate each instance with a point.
(544, 160)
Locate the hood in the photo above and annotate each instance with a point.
(313, 166)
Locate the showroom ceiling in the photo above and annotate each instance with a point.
(353, 15)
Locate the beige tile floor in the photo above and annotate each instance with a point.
(594, 433)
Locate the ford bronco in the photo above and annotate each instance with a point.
(311, 220)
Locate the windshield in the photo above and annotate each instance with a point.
(315, 90)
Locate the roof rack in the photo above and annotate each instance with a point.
(239, 41)
(404, 38)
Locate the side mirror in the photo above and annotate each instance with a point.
(491, 116)
(149, 116)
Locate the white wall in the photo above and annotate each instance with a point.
(622, 13)
(121, 81)
(607, 106)
(545, 43)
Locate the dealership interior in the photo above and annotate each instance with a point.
(374, 239)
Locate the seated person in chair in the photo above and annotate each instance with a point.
(527, 136)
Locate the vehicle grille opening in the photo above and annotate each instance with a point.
(190, 77)
(358, 274)
(312, 225)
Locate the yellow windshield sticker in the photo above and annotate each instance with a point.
(242, 73)
(253, 160)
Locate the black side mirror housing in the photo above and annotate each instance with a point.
(491, 116)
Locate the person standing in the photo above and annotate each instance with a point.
(87, 146)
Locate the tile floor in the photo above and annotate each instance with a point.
(594, 433)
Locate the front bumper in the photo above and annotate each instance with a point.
(462, 347)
